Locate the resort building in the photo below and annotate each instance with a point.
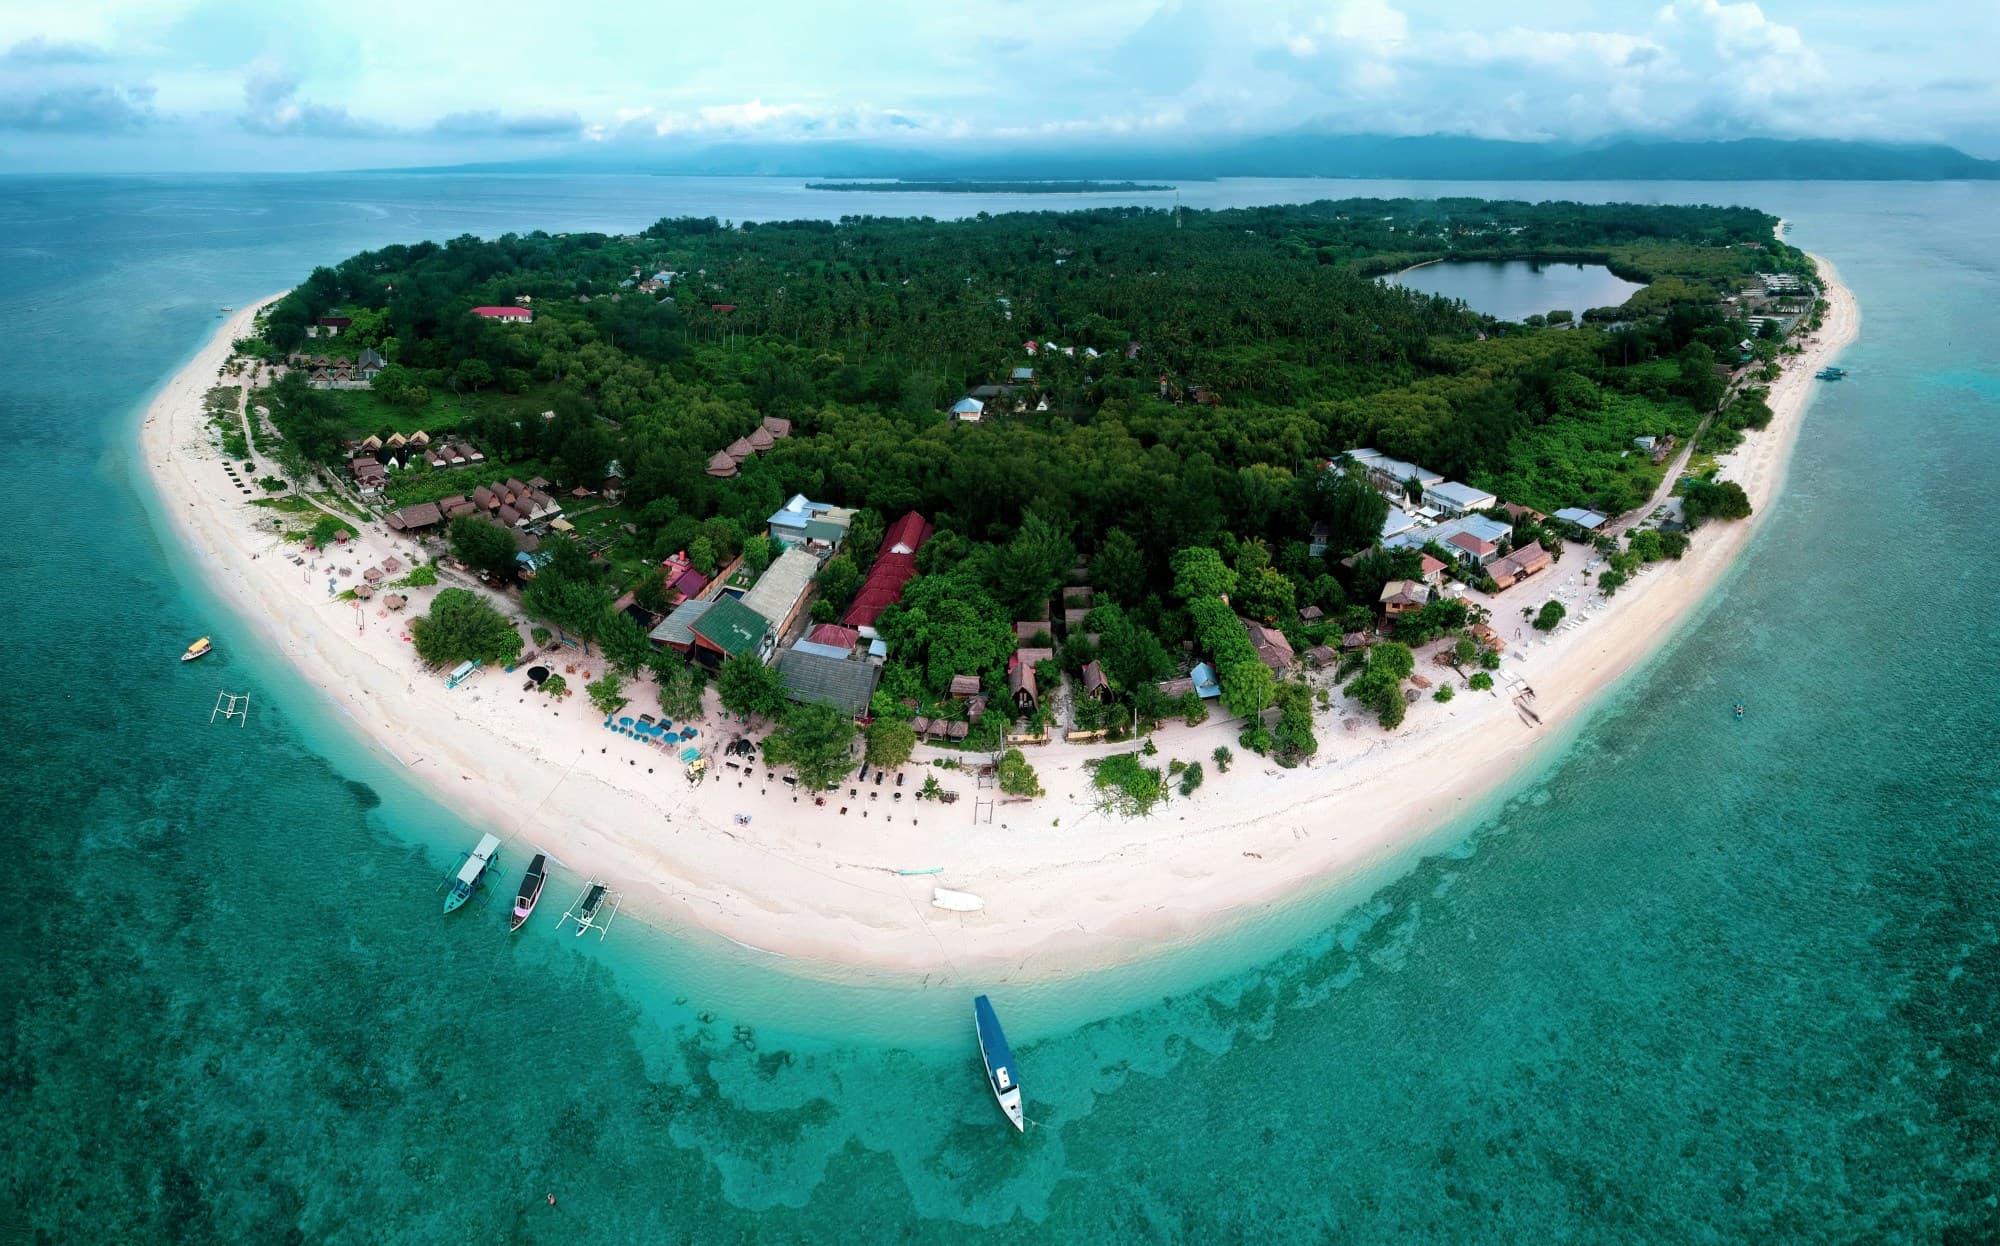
(1588, 520)
(780, 593)
(1022, 683)
(813, 678)
(895, 564)
(1467, 538)
(1400, 597)
(728, 629)
(819, 528)
(1512, 568)
(1392, 476)
(1452, 498)
(676, 631)
(1273, 650)
(506, 315)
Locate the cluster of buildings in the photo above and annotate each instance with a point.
(1450, 516)
(836, 664)
(371, 459)
(338, 371)
(511, 503)
(724, 462)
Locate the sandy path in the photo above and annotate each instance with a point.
(1066, 888)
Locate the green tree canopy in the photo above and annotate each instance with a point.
(747, 686)
(815, 741)
(463, 626)
(890, 743)
(1200, 573)
(679, 685)
(483, 545)
(607, 692)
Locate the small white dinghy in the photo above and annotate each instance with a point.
(956, 901)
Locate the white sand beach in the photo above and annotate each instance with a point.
(1066, 888)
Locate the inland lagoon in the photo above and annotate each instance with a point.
(1517, 289)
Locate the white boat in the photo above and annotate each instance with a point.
(956, 901)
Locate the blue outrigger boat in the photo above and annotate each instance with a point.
(470, 871)
(999, 1060)
(1830, 374)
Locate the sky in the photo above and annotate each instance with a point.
(240, 85)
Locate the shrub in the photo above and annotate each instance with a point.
(1222, 757)
(462, 626)
(555, 685)
(1489, 660)
(607, 693)
(1551, 614)
(1127, 785)
(1442, 695)
(1191, 779)
(1017, 777)
(1480, 682)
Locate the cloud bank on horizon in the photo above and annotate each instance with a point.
(228, 84)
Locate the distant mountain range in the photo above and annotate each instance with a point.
(1430, 158)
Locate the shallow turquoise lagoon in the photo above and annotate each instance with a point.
(1695, 980)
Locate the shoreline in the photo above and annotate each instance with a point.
(1062, 883)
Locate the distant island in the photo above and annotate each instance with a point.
(955, 186)
(1298, 153)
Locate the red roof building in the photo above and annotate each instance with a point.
(521, 314)
(895, 564)
(834, 634)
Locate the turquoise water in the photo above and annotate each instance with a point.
(1696, 980)
(1517, 289)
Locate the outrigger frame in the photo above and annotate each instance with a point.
(231, 705)
(600, 921)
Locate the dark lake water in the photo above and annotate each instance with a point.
(1517, 289)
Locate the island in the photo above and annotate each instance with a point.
(969, 186)
(1036, 590)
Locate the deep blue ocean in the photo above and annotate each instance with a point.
(1694, 980)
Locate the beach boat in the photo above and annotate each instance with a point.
(999, 1062)
(593, 910)
(198, 649)
(1829, 374)
(956, 901)
(466, 881)
(586, 910)
(529, 892)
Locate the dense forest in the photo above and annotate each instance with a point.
(1192, 373)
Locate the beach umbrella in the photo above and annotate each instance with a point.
(394, 601)
(373, 575)
(363, 591)
(392, 565)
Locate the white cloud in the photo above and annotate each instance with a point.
(458, 78)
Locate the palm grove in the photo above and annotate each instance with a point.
(1193, 373)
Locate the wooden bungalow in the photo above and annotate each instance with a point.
(1095, 685)
(1021, 679)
